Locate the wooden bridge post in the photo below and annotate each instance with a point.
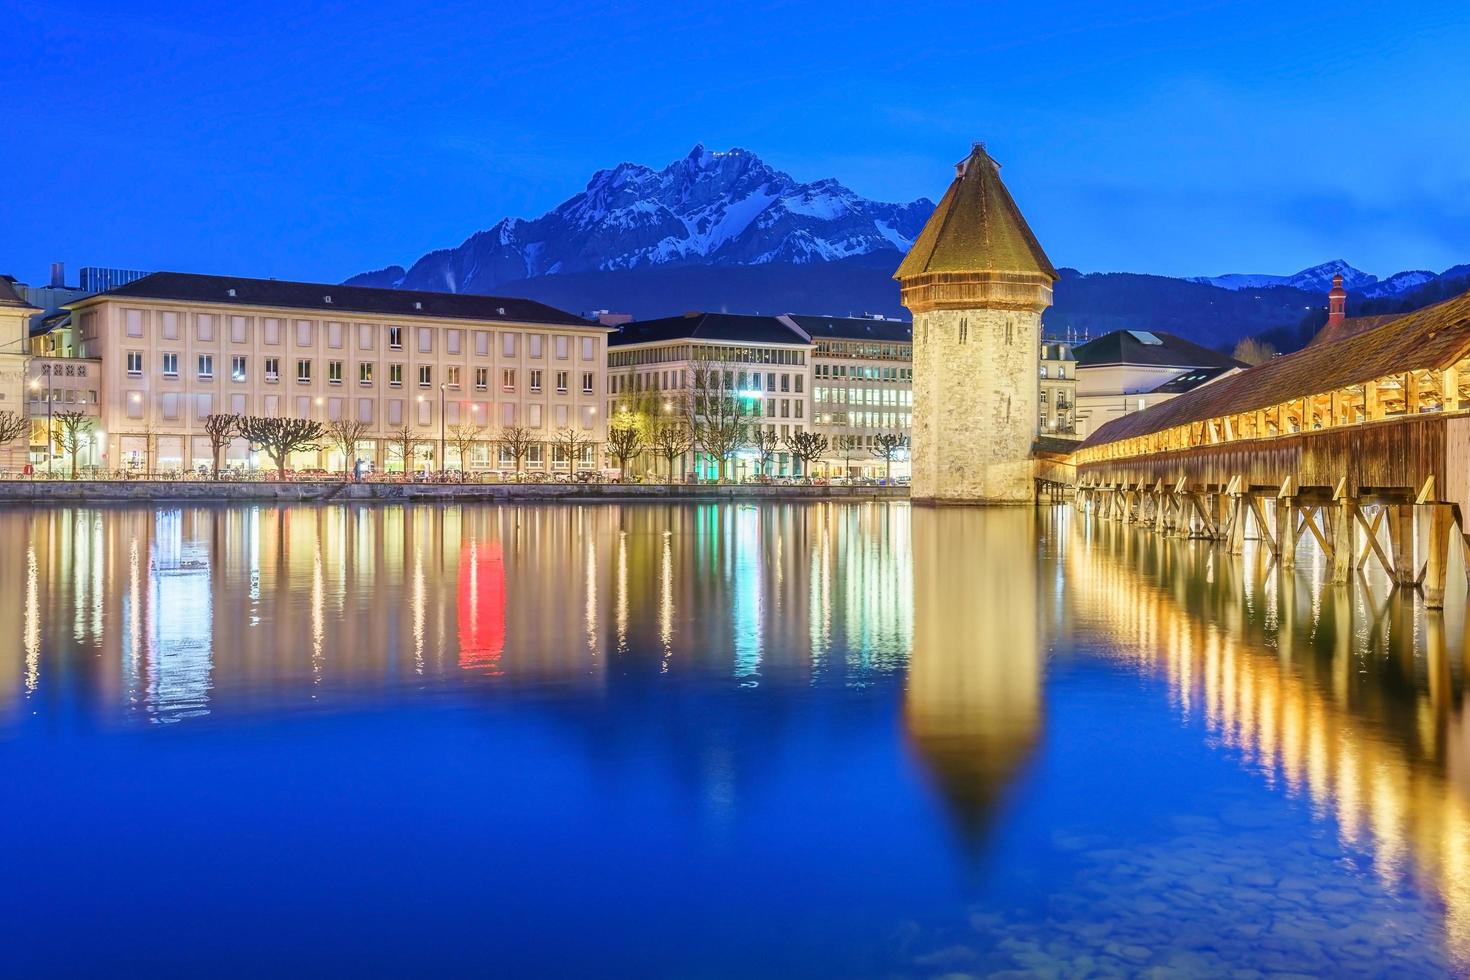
(1286, 531)
(1344, 544)
(1437, 558)
(1286, 524)
(1239, 510)
(1401, 542)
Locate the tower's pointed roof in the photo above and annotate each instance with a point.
(976, 228)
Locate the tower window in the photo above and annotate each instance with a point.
(1010, 330)
(964, 330)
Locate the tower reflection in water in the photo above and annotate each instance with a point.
(973, 702)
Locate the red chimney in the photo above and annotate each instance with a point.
(1336, 302)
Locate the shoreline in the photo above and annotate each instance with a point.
(239, 491)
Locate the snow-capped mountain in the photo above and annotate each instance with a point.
(1318, 279)
(709, 208)
(1314, 280)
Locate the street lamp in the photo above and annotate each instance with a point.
(442, 386)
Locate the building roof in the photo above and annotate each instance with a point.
(854, 328)
(327, 298)
(1429, 339)
(1150, 348)
(1351, 327)
(976, 228)
(1190, 380)
(725, 327)
(9, 297)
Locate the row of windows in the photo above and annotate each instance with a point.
(1060, 397)
(68, 396)
(273, 330)
(864, 396)
(861, 372)
(1060, 372)
(453, 374)
(675, 381)
(855, 349)
(712, 353)
(867, 420)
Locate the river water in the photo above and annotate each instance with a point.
(706, 740)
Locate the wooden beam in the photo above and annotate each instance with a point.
(1437, 558)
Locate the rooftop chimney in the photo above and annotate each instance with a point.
(1336, 302)
(58, 274)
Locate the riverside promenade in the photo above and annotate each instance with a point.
(333, 491)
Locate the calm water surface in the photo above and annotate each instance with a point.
(710, 741)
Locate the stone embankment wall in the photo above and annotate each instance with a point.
(130, 491)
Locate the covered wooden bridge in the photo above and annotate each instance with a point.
(1362, 443)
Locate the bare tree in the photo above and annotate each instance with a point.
(807, 447)
(572, 444)
(345, 434)
(463, 436)
(220, 427)
(717, 417)
(1252, 351)
(400, 444)
(280, 437)
(74, 429)
(670, 439)
(625, 438)
(517, 440)
(886, 447)
(847, 447)
(13, 425)
(766, 443)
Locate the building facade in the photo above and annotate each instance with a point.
(658, 367)
(977, 282)
(15, 322)
(1058, 409)
(1129, 370)
(862, 387)
(171, 349)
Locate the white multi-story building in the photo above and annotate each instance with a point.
(1128, 370)
(170, 349)
(767, 361)
(863, 390)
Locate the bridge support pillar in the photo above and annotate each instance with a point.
(1286, 521)
(1344, 544)
(1401, 542)
(1437, 557)
(1239, 511)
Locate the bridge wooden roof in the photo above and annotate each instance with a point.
(1432, 338)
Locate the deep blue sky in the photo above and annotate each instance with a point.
(276, 140)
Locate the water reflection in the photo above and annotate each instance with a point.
(1350, 700)
(179, 612)
(973, 702)
(1345, 696)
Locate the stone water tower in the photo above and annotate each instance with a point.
(976, 282)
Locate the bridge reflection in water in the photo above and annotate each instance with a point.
(1352, 697)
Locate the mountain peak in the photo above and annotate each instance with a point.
(709, 207)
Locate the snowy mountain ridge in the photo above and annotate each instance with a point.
(709, 208)
(1318, 279)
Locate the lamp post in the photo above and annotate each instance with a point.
(442, 461)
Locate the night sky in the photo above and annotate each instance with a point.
(308, 142)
